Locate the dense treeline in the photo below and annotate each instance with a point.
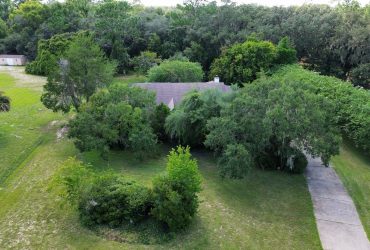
(334, 41)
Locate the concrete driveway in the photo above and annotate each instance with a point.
(337, 219)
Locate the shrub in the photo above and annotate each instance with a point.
(113, 201)
(4, 103)
(109, 199)
(71, 179)
(175, 200)
(176, 71)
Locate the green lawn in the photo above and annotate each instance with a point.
(130, 79)
(267, 210)
(354, 170)
(22, 129)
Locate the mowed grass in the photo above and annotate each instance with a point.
(21, 129)
(353, 168)
(267, 210)
(128, 79)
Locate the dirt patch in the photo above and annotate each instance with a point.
(61, 133)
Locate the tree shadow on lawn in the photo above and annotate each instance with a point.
(149, 232)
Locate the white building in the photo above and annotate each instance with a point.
(12, 60)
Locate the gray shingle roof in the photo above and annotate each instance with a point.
(176, 91)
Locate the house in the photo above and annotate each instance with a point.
(172, 93)
(12, 60)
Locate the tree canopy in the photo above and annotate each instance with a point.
(271, 123)
(240, 63)
(351, 105)
(200, 30)
(186, 124)
(117, 117)
(176, 71)
(81, 72)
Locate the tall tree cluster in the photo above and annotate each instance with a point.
(331, 40)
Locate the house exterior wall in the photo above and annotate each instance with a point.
(13, 61)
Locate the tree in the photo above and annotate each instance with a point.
(49, 52)
(187, 122)
(145, 61)
(142, 141)
(286, 54)
(309, 27)
(269, 121)
(3, 29)
(80, 74)
(112, 27)
(176, 71)
(351, 105)
(4, 103)
(117, 117)
(235, 161)
(29, 14)
(353, 33)
(62, 18)
(240, 63)
(24, 22)
(6, 7)
(361, 75)
(175, 199)
(158, 121)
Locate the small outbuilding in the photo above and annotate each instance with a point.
(12, 60)
(172, 93)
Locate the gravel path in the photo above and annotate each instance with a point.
(337, 219)
(22, 79)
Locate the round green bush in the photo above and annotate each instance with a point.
(176, 71)
(175, 199)
(174, 205)
(113, 201)
(4, 103)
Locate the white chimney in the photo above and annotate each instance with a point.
(217, 79)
